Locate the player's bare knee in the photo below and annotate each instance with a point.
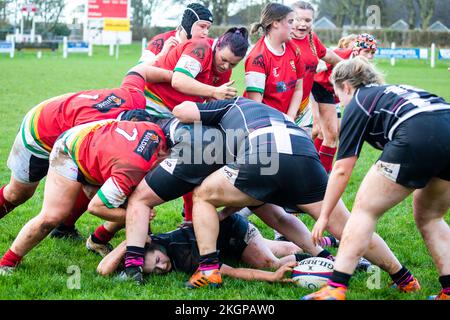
(49, 222)
(18, 196)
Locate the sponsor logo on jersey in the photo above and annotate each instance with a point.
(281, 86)
(199, 52)
(275, 72)
(148, 145)
(111, 101)
(258, 61)
(158, 44)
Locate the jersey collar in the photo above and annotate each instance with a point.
(271, 49)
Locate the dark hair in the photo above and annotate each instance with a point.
(270, 13)
(138, 115)
(236, 39)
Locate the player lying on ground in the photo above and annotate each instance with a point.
(239, 240)
(198, 151)
(28, 159)
(276, 163)
(412, 127)
(84, 155)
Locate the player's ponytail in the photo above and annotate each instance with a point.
(236, 39)
(271, 12)
(357, 72)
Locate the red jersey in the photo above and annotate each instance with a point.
(115, 155)
(310, 61)
(156, 44)
(323, 78)
(193, 58)
(52, 117)
(272, 74)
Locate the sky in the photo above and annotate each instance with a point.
(161, 11)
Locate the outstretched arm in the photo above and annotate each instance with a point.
(151, 73)
(188, 85)
(332, 58)
(280, 275)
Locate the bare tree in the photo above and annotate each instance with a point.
(426, 12)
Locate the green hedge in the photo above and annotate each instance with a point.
(410, 38)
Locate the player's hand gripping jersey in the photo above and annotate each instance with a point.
(115, 155)
(47, 121)
(273, 75)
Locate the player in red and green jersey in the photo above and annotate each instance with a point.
(28, 160)
(273, 68)
(195, 24)
(312, 51)
(111, 155)
(201, 71)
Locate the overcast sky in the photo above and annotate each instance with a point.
(161, 11)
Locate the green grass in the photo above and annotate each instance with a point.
(43, 274)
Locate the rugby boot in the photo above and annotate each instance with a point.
(441, 296)
(132, 274)
(411, 286)
(101, 248)
(64, 232)
(327, 293)
(201, 278)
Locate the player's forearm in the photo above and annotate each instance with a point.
(296, 100)
(339, 177)
(332, 58)
(255, 96)
(154, 74)
(99, 209)
(187, 85)
(247, 274)
(111, 262)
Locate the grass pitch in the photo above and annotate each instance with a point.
(49, 271)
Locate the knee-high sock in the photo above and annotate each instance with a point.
(79, 208)
(326, 157)
(5, 206)
(188, 205)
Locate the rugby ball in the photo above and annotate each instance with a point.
(313, 273)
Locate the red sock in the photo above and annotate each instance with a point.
(5, 206)
(79, 208)
(10, 259)
(188, 205)
(326, 157)
(103, 235)
(318, 143)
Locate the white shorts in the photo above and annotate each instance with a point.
(62, 162)
(26, 166)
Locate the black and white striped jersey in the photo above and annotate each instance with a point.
(257, 125)
(375, 112)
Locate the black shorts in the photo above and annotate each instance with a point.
(298, 180)
(322, 95)
(191, 160)
(419, 150)
(234, 236)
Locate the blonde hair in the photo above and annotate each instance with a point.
(357, 72)
(345, 42)
(307, 6)
(271, 12)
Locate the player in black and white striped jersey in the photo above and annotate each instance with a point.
(276, 163)
(412, 127)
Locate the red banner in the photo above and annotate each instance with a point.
(108, 9)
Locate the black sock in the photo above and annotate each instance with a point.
(402, 277)
(301, 256)
(96, 240)
(339, 279)
(445, 282)
(134, 257)
(209, 259)
(326, 254)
